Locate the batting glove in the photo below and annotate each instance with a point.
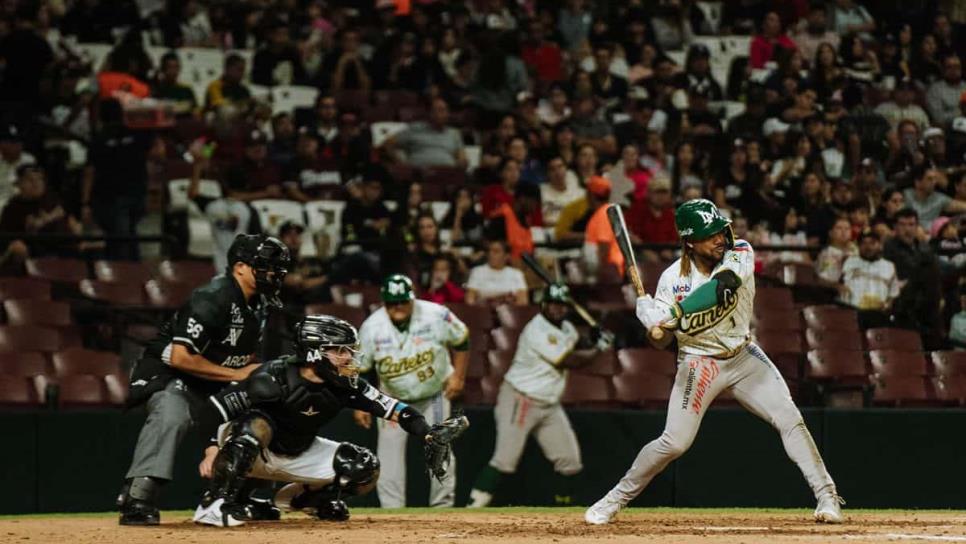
(651, 313)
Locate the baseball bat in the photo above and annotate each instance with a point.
(539, 270)
(617, 224)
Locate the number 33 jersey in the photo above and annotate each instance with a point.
(411, 364)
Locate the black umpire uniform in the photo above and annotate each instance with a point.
(222, 325)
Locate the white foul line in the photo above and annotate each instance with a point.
(904, 536)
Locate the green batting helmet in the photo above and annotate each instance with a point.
(397, 288)
(557, 292)
(698, 219)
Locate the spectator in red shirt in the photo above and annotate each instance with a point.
(763, 45)
(502, 193)
(652, 218)
(442, 289)
(542, 55)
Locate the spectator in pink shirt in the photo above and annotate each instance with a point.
(763, 45)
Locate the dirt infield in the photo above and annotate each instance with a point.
(507, 526)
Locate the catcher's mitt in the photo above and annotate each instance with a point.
(439, 444)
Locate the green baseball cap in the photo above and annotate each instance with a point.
(397, 288)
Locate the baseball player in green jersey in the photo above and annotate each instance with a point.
(419, 351)
(706, 297)
(529, 399)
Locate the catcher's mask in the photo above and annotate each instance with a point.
(330, 345)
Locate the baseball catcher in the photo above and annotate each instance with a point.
(271, 421)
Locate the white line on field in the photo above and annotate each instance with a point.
(736, 528)
(904, 536)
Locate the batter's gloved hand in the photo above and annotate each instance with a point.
(439, 442)
(651, 313)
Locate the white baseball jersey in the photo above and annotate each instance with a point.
(871, 283)
(542, 346)
(411, 364)
(724, 328)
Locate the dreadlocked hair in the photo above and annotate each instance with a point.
(685, 259)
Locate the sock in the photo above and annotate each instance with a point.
(564, 486)
(488, 479)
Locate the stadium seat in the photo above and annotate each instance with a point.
(122, 271)
(200, 238)
(475, 317)
(37, 312)
(780, 319)
(831, 317)
(351, 314)
(325, 216)
(397, 98)
(950, 389)
(799, 274)
(272, 213)
(499, 362)
(832, 339)
(773, 298)
(900, 390)
(115, 294)
(412, 114)
(24, 288)
(894, 339)
(586, 390)
(949, 363)
(478, 365)
(604, 364)
(193, 273)
(646, 361)
(357, 100)
(287, 98)
(57, 269)
(77, 361)
(23, 338)
(836, 365)
(480, 341)
(167, 296)
(511, 316)
(642, 390)
(451, 176)
(24, 364)
(490, 385)
(472, 391)
(440, 209)
(777, 342)
(81, 390)
(366, 297)
(117, 389)
(16, 391)
(898, 363)
(505, 339)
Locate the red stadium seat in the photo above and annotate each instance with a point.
(123, 271)
(21, 338)
(117, 389)
(799, 274)
(900, 390)
(894, 339)
(472, 391)
(949, 363)
(950, 389)
(452, 176)
(642, 390)
(20, 391)
(605, 364)
(165, 295)
(357, 100)
(898, 363)
(778, 342)
(25, 288)
(490, 386)
(82, 390)
(478, 365)
(515, 317)
(587, 390)
(781, 319)
(475, 317)
(194, 273)
(770, 299)
(832, 339)
(77, 361)
(498, 362)
(37, 312)
(23, 364)
(115, 294)
(350, 313)
(505, 339)
(831, 317)
(836, 365)
(57, 269)
(646, 361)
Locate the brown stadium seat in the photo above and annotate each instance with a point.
(353, 99)
(115, 294)
(194, 273)
(397, 98)
(642, 390)
(117, 389)
(776, 342)
(371, 299)
(490, 385)
(478, 364)
(895, 339)
(836, 365)
(605, 364)
(832, 339)
(900, 391)
(23, 364)
(77, 361)
(505, 339)
(475, 317)
(37, 312)
(799, 274)
(444, 175)
(587, 390)
(949, 363)
(831, 317)
(898, 363)
(511, 316)
(950, 389)
(472, 391)
(412, 114)
(780, 319)
(646, 361)
(498, 362)
(343, 311)
(57, 269)
(82, 390)
(21, 338)
(480, 341)
(123, 271)
(25, 288)
(18, 391)
(773, 299)
(166, 295)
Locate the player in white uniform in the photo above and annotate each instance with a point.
(706, 298)
(408, 343)
(529, 399)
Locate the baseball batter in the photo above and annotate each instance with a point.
(408, 343)
(706, 297)
(529, 399)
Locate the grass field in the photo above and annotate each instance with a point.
(506, 525)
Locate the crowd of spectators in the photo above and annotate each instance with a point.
(848, 140)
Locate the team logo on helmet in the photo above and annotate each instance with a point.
(708, 217)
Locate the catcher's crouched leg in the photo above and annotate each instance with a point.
(356, 472)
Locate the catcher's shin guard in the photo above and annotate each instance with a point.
(237, 456)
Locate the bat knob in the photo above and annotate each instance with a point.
(657, 333)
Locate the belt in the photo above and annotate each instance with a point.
(731, 354)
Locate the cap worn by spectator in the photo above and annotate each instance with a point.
(289, 226)
(598, 186)
(774, 125)
(932, 132)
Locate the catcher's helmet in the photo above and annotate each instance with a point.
(315, 334)
(397, 288)
(268, 257)
(698, 219)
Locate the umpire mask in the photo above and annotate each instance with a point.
(330, 345)
(269, 259)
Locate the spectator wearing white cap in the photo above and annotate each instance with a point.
(775, 131)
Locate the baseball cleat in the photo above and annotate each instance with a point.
(603, 511)
(135, 512)
(332, 510)
(219, 514)
(479, 499)
(829, 508)
(263, 510)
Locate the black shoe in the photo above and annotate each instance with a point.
(237, 510)
(263, 510)
(333, 511)
(135, 512)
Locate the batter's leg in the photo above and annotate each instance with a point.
(698, 381)
(391, 451)
(762, 390)
(441, 494)
(559, 444)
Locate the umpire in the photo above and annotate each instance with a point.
(209, 342)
